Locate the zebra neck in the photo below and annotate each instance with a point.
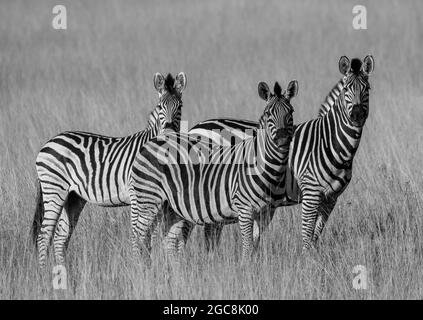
(344, 136)
(270, 157)
(149, 134)
(331, 98)
(154, 121)
(152, 131)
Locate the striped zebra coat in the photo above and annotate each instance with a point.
(208, 183)
(78, 167)
(321, 153)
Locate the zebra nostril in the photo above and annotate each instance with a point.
(356, 110)
(168, 125)
(283, 133)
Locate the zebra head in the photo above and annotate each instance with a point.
(277, 118)
(170, 100)
(354, 96)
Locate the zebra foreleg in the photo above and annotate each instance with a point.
(310, 211)
(245, 221)
(324, 213)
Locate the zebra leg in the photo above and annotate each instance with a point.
(212, 234)
(142, 228)
(155, 224)
(53, 202)
(156, 231)
(177, 231)
(66, 225)
(324, 213)
(135, 211)
(245, 221)
(261, 223)
(310, 210)
(177, 235)
(144, 215)
(172, 229)
(186, 232)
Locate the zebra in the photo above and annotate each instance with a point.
(78, 167)
(205, 183)
(321, 153)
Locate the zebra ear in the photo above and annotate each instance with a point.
(263, 91)
(292, 89)
(344, 65)
(180, 82)
(368, 64)
(159, 82)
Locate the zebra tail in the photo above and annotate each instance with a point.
(38, 216)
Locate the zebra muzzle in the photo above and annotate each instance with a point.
(358, 114)
(169, 126)
(283, 136)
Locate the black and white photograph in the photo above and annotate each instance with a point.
(225, 150)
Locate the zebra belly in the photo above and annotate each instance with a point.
(199, 212)
(105, 198)
(225, 215)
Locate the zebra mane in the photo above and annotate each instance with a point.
(277, 90)
(356, 66)
(169, 84)
(153, 119)
(331, 98)
(261, 119)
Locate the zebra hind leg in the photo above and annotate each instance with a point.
(154, 228)
(212, 234)
(177, 232)
(144, 217)
(67, 222)
(53, 202)
(186, 232)
(261, 223)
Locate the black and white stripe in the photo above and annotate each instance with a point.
(208, 183)
(78, 167)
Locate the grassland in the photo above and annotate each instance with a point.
(97, 76)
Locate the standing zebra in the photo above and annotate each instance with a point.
(321, 152)
(76, 167)
(209, 183)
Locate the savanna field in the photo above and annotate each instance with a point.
(98, 76)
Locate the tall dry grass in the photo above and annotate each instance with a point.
(97, 76)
